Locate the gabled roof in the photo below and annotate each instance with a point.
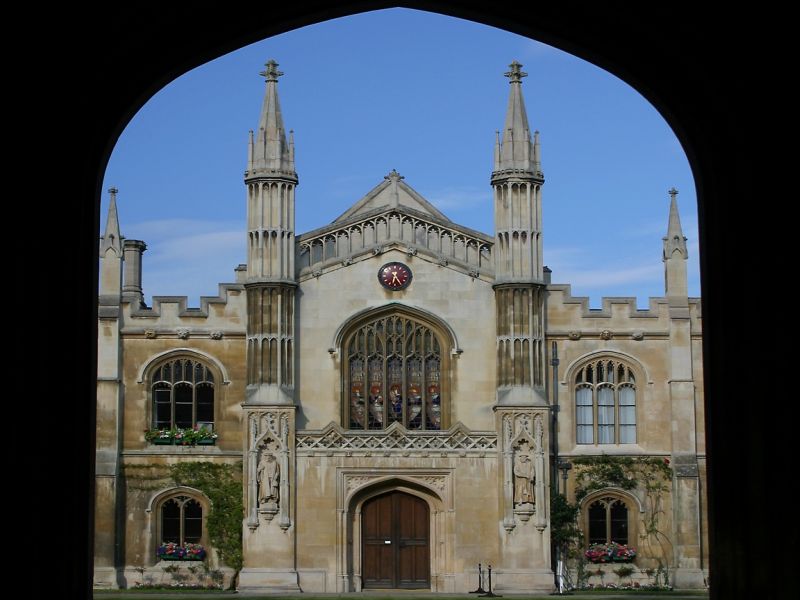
(392, 193)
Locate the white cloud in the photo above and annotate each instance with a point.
(601, 278)
(188, 257)
(456, 199)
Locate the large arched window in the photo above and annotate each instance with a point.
(605, 403)
(181, 521)
(607, 519)
(393, 373)
(183, 395)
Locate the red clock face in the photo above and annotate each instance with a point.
(394, 276)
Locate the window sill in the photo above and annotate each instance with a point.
(611, 449)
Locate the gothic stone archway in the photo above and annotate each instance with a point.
(414, 518)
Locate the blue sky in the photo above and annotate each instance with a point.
(423, 94)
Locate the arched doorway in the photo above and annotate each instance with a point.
(395, 538)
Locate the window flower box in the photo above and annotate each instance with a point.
(173, 551)
(611, 552)
(181, 437)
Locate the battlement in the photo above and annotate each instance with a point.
(617, 313)
(172, 314)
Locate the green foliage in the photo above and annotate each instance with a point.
(564, 531)
(651, 476)
(598, 472)
(624, 571)
(223, 486)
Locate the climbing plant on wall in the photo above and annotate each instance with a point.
(222, 484)
(648, 476)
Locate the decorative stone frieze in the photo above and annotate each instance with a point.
(396, 440)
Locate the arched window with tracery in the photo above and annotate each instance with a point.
(393, 373)
(181, 521)
(183, 395)
(605, 402)
(607, 519)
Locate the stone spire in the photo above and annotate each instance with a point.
(519, 272)
(675, 252)
(516, 152)
(674, 240)
(270, 154)
(112, 238)
(270, 281)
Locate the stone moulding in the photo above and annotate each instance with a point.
(396, 439)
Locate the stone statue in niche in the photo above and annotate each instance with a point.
(268, 475)
(524, 479)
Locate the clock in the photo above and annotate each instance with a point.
(394, 276)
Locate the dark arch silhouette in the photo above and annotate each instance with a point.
(98, 68)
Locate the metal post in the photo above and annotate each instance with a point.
(554, 362)
(480, 589)
(490, 594)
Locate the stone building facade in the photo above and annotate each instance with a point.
(399, 391)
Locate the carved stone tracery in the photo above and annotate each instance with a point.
(396, 439)
(413, 231)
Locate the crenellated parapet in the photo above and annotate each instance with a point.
(216, 317)
(571, 316)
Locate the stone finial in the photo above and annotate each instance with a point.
(394, 176)
(672, 192)
(271, 72)
(516, 74)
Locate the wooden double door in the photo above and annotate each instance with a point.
(395, 542)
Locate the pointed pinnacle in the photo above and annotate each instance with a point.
(516, 74)
(271, 72)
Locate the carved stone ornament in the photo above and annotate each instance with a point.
(396, 439)
(637, 335)
(606, 335)
(216, 335)
(377, 250)
(411, 251)
(356, 481)
(574, 335)
(474, 273)
(183, 332)
(435, 481)
(150, 334)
